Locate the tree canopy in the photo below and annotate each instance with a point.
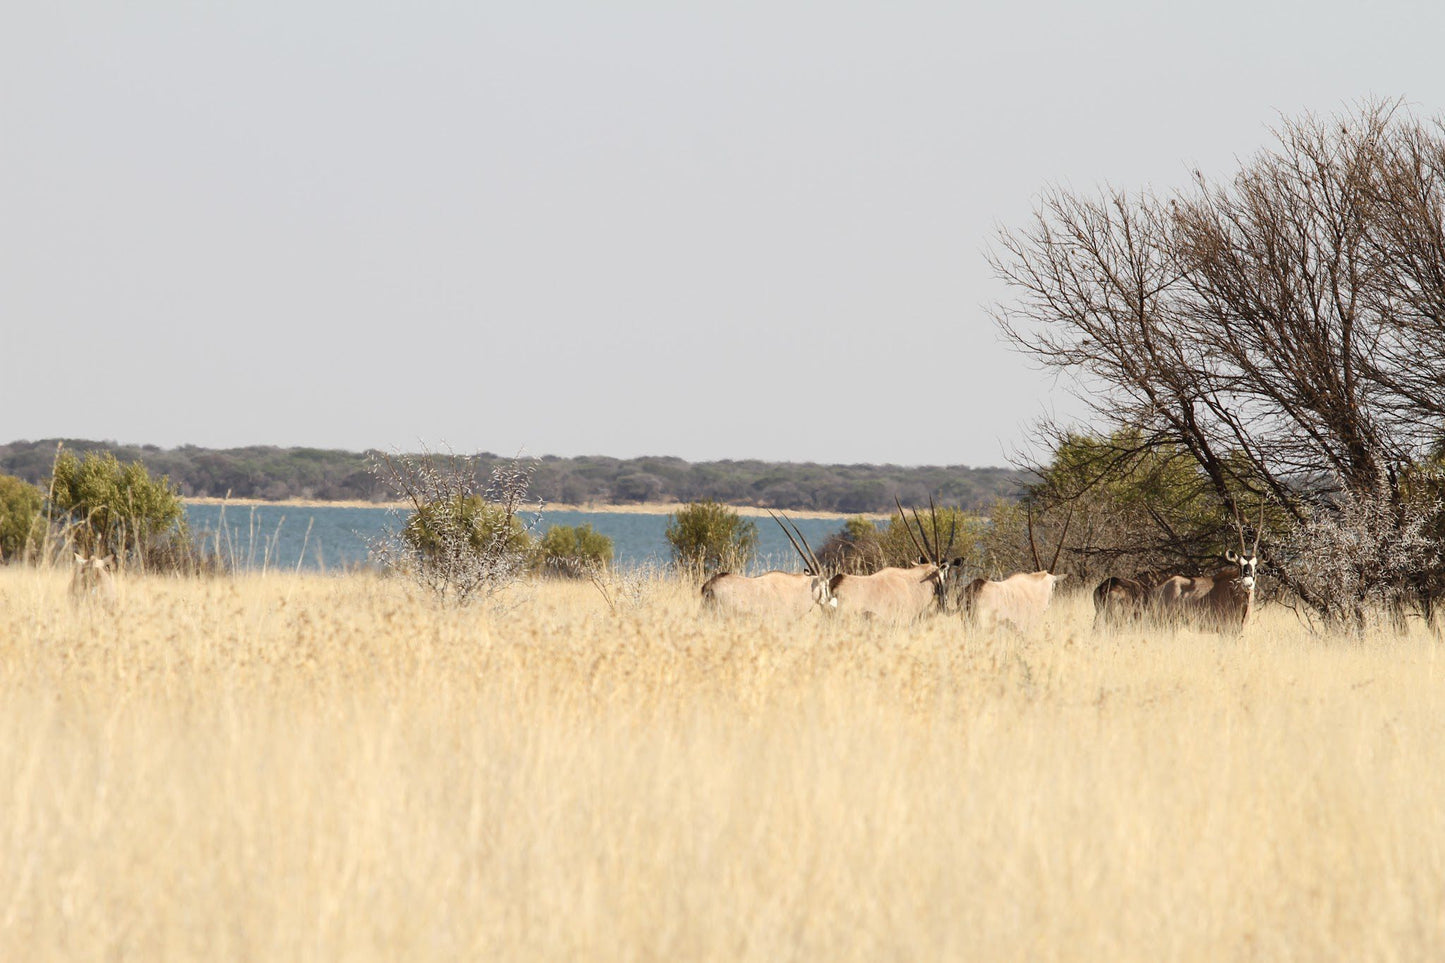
(1282, 334)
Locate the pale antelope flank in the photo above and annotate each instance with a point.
(896, 594)
(791, 594)
(1021, 599)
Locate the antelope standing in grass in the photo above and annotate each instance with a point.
(1221, 601)
(91, 580)
(902, 594)
(1019, 600)
(1119, 600)
(791, 594)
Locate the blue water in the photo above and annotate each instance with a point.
(332, 539)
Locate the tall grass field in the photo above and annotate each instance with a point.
(294, 767)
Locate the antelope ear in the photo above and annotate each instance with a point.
(922, 560)
(1231, 556)
(107, 560)
(1060, 578)
(79, 559)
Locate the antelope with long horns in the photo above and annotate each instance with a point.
(903, 594)
(1221, 601)
(1021, 599)
(791, 594)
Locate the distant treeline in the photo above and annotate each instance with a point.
(330, 475)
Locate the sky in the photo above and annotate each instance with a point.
(743, 230)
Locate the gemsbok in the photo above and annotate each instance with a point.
(1019, 600)
(1119, 601)
(91, 580)
(790, 594)
(896, 594)
(1220, 601)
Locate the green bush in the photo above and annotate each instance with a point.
(118, 509)
(465, 523)
(574, 552)
(22, 521)
(710, 536)
(863, 546)
(898, 549)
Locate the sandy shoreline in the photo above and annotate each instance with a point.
(645, 508)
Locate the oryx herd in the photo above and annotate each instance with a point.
(1219, 601)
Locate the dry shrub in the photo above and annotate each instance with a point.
(459, 538)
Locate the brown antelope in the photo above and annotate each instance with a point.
(792, 594)
(1019, 600)
(1119, 600)
(91, 580)
(902, 594)
(1220, 601)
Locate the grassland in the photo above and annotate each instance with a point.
(311, 768)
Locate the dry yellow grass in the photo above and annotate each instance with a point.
(311, 768)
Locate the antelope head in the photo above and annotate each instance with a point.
(1247, 559)
(933, 551)
(822, 593)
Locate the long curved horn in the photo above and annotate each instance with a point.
(1258, 529)
(937, 536)
(1068, 518)
(1238, 525)
(816, 562)
(903, 517)
(1032, 547)
(806, 556)
(929, 543)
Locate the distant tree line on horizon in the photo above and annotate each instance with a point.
(273, 473)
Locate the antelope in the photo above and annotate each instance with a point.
(902, 594)
(91, 580)
(1220, 601)
(1022, 598)
(1118, 600)
(786, 593)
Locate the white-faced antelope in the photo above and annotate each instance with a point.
(902, 594)
(91, 580)
(1220, 601)
(1019, 600)
(790, 594)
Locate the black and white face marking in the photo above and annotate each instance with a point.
(1247, 567)
(822, 594)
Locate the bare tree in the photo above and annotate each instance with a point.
(1283, 331)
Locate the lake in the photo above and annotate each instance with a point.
(324, 538)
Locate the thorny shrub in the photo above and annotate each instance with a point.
(459, 539)
(1364, 556)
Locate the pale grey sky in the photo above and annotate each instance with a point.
(706, 230)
